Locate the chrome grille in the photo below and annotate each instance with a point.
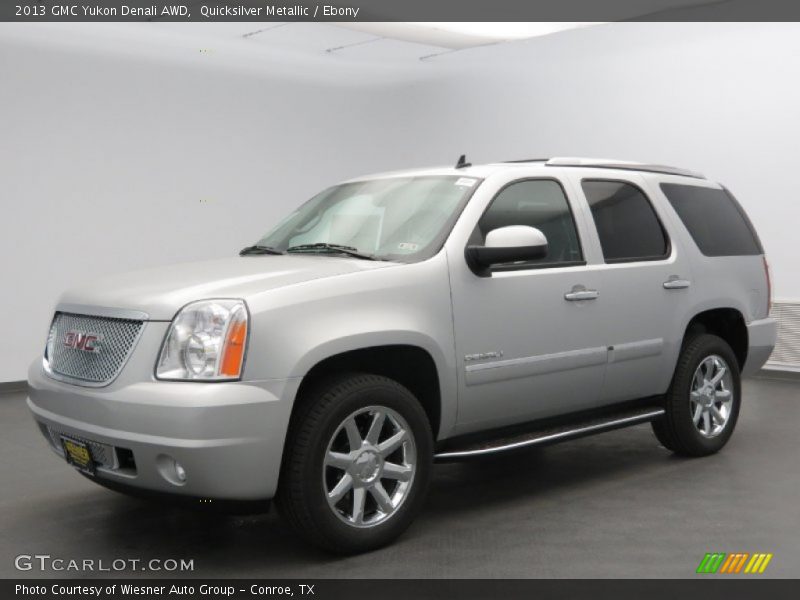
(115, 341)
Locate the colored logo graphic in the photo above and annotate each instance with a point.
(737, 562)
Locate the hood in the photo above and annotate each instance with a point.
(161, 291)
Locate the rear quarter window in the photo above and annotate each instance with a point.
(716, 222)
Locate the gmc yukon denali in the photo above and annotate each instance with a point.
(401, 319)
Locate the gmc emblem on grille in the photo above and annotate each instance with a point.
(79, 340)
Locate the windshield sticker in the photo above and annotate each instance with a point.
(465, 181)
(407, 246)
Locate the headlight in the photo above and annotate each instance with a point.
(206, 341)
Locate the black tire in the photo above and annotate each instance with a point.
(676, 430)
(663, 437)
(301, 496)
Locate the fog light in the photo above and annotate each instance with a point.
(170, 469)
(180, 471)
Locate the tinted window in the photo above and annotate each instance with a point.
(536, 203)
(715, 220)
(626, 222)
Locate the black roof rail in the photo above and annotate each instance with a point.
(526, 160)
(623, 166)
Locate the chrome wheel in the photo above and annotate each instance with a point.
(369, 466)
(711, 396)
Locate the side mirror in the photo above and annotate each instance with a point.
(507, 244)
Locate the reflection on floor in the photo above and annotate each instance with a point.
(614, 505)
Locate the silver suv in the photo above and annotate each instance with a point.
(404, 318)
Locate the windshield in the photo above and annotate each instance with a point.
(400, 218)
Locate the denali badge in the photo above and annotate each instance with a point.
(79, 340)
(483, 355)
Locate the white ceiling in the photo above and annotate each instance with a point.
(382, 47)
(347, 43)
(368, 42)
(353, 42)
(396, 41)
(458, 36)
(303, 38)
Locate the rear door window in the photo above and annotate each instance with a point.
(716, 222)
(627, 225)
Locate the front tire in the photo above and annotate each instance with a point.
(702, 404)
(357, 463)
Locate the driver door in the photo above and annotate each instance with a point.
(527, 338)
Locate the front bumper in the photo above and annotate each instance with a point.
(761, 338)
(228, 437)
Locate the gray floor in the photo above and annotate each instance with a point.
(616, 505)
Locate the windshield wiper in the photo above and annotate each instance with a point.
(258, 250)
(348, 250)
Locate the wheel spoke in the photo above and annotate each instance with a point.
(338, 460)
(359, 496)
(707, 368)
(698, 412)
(697, 381)
(399, 472)
(393, 443)
(375, 428)
(707, 422)
(718, 376)
(382, 498)
(722, 395)
(353, 434)
(718, 416)
(341, 488)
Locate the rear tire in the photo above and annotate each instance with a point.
(357, 463)
(702, 403)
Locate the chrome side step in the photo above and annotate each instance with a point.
(551, 435)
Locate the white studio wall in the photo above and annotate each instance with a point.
(717, 98)
(118, 153)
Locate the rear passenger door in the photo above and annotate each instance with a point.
(643, 286)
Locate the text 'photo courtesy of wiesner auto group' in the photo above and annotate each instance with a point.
(420, 299)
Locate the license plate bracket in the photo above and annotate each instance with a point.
(78, 454)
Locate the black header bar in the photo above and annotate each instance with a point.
(707, 588)
(399, 10)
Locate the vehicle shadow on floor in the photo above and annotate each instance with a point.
(243, 544)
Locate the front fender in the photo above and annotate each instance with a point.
(296, 327)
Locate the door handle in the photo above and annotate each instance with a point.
(581, 293)
(676, 283)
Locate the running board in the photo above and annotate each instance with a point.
(551, 435)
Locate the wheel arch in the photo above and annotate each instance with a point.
(411, 365)
(727, 323)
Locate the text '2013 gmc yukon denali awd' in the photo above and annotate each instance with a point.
(409, 317)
